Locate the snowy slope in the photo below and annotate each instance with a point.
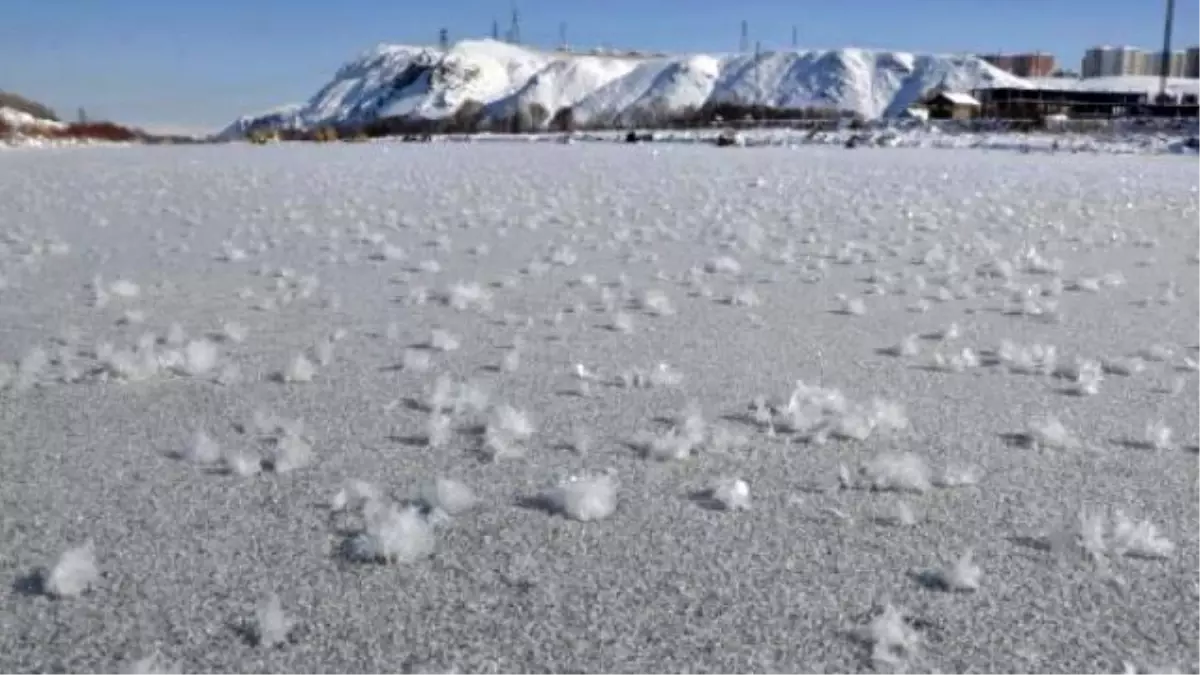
(19, 119)
(427, 83)
(283, 116)
(654, 85)
(566, 82)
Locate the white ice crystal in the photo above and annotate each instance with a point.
(392, 534)
(851, 306)
(1138, 539)
(901, 515)
(905, 472)
(1124, 367)
(199, 358)
(439, 429)
(893, 641)
(1032, 360)
(962, 575)
(622, 323)
(949, 333)
(450, 496)
(443, 341)
(655, 303)
(272, 625)
(415, 361)
(584, 498)
(672, 444)
(354, 495)
(1088, 375)
(744, 297)
(299, 370)
(1156, 353)
(1158, 436)
(241, 463)
(1092, 526)
(506, 432)
(723, 265)
(958, 476)
(202, 449)
(463, 296)
(1050, 433)
(511, 361)
(73, 574)
(30, 368)
(290, 451)
(123, 288)
(907, 347)
(732, 494)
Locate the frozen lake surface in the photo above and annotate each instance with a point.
(990, 465)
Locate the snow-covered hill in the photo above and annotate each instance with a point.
(19, 119)
(428, 83)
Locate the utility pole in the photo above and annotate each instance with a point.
(444, 39)
(82, 116)
(495, 29)
(1164, 65)
(758, 93)
(795, 37)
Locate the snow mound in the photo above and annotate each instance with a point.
(392, 81)
(19, 119)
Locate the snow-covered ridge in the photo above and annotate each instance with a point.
(19, 119)
(428, 83)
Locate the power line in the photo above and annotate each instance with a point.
(758, 93)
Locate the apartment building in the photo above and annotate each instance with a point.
(1176, 63)
(1034, 64)
(1109, 61)
(1113, 61)
(1191, 62)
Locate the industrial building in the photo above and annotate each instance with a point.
(1035, 104)
(1008, 103)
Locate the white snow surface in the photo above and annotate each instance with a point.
(562, 237)
(426, 82)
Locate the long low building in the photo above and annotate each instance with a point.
(1013, 103)
(1035, 104)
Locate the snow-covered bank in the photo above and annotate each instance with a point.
(1114, 144)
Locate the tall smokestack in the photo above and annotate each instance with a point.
(1164, 66)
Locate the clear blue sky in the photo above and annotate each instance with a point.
(197, 64)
